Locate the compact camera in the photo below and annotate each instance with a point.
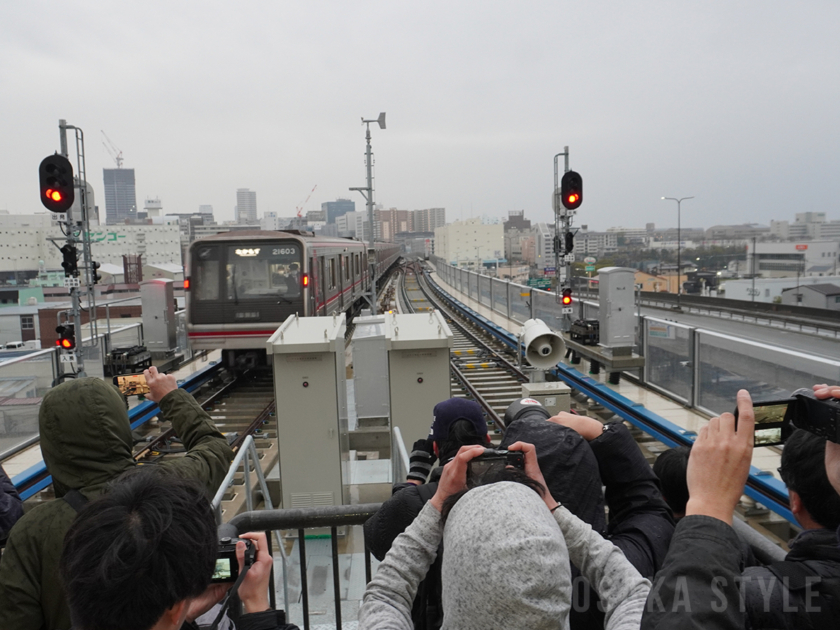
(227, 566)
(493, 461)
(775, 420)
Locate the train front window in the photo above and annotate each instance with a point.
(205, 278)
(259, 271)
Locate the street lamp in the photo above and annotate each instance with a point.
(679, 243)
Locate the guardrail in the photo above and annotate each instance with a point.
(35, 478)
(301, 520)
(798, 318)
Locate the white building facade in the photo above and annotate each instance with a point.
(24, 244)
(470, 242)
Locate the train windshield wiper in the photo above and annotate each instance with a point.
(235, 295)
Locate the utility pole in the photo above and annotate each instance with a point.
(367, 193)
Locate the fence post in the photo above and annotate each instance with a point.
(694, 361)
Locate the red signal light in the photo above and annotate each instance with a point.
(573, 198)
(53, 195)
(304, 279)
(67, 344)
(186, 284)
(567, 299)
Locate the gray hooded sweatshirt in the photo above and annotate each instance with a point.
(506, 565)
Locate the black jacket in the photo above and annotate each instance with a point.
(803, 606)
(395, 515)
(568, 464)
(640, 522)
(697, 587)
(11, 506)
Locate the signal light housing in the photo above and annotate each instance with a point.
(66, 337)
(571, 190)
(57, 186)
(71, 260)
(566, 298)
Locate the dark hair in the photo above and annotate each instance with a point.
(506, 474)
(803, 470)
(671, 467)
(461, 433)
(130, 555)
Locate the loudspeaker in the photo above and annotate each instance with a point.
(543, 348)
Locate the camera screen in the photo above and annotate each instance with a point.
(481, 467)
(133, 384)
(770, 413)
(223, 571)
(773, 414)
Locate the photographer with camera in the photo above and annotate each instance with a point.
(141, 557)
(507, 561)
(457, 422)
(86, 442)
(793, 593)
(701, 585)
(640, 522)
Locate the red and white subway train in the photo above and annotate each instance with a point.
(242, 285)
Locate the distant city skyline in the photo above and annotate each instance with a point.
(731, 103)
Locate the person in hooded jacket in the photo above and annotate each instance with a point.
(11, 507)
(507, 560)
(86, 443)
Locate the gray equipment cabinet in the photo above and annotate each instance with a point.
(418, 369)
(616, 292)
(370, 368)
(309, 384)
(159, 332)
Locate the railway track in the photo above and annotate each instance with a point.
(482, 368)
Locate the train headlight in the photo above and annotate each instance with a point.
(304, 280)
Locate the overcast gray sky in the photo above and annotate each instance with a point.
(736, 103)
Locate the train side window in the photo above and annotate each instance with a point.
(346, 267)
(321, 274)
(356, 256)
(332, 273)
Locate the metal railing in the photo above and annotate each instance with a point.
(301, 520)
(247, 454)
(399, 457)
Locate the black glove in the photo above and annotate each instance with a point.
(421, 460)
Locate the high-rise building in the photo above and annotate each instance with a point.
(334, 209)
(428, 219)
(246, 206)
(120, 196)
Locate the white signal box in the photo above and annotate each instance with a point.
(418, 348)
(311, 393)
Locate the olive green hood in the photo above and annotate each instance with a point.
(85, 435)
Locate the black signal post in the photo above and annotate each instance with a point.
(57, 187)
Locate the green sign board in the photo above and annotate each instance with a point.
(590, 267)
(539, 283)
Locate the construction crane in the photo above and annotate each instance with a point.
(301, 206)
(113, 150)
